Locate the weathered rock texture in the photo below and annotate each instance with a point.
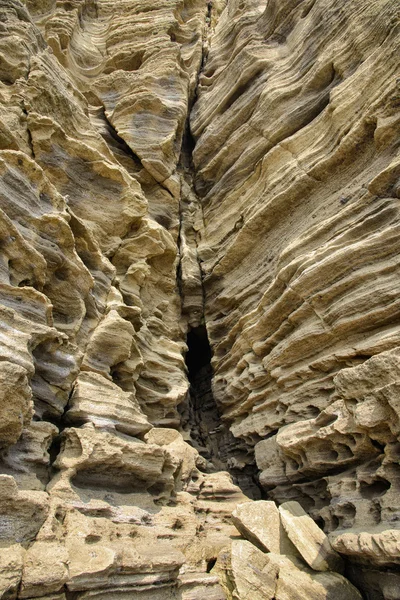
(277, 569)
(225, 167)
(297, 165)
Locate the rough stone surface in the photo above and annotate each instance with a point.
(308, 538)
(260, 523)
(227, 169)
(249, 574)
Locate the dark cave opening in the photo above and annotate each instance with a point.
(210, 564)
(199, 352)
(203, 415)
(210, 435)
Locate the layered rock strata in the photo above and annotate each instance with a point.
(227, 169)
(100, 496)
(297, 166)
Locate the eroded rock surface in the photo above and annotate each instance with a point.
(297, 166)
(227, 169)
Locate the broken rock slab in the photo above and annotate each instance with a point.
(309, 539)
(246, 573)
(260, 523)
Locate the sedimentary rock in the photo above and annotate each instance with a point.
(249, 574)
(260, 523)
(297, 166)
(227, 170)
(309, 540)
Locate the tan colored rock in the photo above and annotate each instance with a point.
(111, 462)
(109, 345)
(15, 402)
(268, 216)
(11, 564)
(98, 400)
(53, 597)
(309, 539)
(22, 513)
(28, 460)
(173, 441)
(299, 249)
(378, 548)
(45, 569)
(248, 574)
(302, 586)
(260, 523)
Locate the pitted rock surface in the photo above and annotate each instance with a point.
(222, 176)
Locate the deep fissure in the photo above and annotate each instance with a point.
(208, 433)
(200, 415)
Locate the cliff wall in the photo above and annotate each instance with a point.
(199, 207)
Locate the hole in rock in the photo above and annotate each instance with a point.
(375, 512)
(335, 522)
(374, 490)
(209, 434)
(177, 525)
(92, 538)
(113, 481)
(54, 450)
(203, 412)
(199, 353)
(346, 515)
(378, 445)
(210, 563)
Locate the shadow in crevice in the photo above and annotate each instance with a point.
(209, 434)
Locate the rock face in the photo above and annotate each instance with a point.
(297, 167)
(222, 176)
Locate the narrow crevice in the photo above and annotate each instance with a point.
(203, 415)
(29, 134)
(200, 415)
(115, 142)
(209, 434)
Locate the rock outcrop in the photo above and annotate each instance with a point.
(199, 214)
(276, 569)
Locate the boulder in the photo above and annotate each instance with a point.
(260, 523)
(309, 539)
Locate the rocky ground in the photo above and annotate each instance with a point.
(199, 300)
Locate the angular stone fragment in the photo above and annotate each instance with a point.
(97, 400)
(307, 585)
(246, 573)
(260, 523)
(309, 539)
(45, 569)
(22, 513)
(198, 586)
